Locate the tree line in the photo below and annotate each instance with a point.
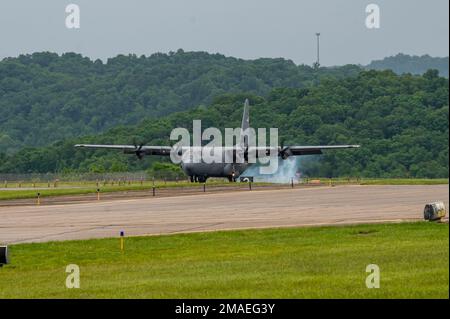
(401, 121)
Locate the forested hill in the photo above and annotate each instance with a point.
(45, 97)
(402, 123)
(403, 63)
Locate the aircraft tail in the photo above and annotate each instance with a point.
(245, 124)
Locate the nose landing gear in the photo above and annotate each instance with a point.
(232, 178)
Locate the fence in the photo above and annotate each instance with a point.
(73, 177)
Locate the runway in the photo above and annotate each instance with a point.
(225, 210)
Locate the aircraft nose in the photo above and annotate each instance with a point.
(186, 168)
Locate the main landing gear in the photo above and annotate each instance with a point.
(198, 179)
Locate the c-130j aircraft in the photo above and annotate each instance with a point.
(232, 169)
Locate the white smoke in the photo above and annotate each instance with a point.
(288, 171)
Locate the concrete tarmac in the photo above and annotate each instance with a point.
(227, 210)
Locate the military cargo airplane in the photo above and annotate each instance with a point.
(201, 171)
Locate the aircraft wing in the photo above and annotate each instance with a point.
(312, 150)
(132, 149)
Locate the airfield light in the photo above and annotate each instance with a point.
(38, 198)
(122, 234)
(98, 193)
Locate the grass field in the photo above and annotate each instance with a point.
(78, 188)
(316, 262)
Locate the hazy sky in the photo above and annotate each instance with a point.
(241, 28)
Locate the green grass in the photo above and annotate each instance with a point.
(385, 181)
(80, 188)
(316, 262)
(405, 181)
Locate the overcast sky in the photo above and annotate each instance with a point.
(241, 28)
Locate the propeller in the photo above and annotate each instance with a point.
(246, 154)
(138, 149)
(284, 151)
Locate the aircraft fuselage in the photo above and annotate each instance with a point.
(228, 164)
(199, 172)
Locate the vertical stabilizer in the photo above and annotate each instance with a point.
(245, 124)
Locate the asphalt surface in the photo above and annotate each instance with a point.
(220, 210)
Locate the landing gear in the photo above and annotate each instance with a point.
(198, 179)
(232, 179)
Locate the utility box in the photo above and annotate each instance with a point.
(434, 211)
(3, 255)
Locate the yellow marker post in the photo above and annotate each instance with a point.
(38, 199)
(122, 247)
(98, 193)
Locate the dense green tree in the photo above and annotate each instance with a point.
(403, 63)
(45, 97)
